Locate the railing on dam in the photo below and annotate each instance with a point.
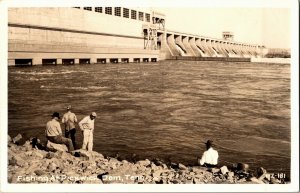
(227, 59)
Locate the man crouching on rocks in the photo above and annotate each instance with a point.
(87, 127)
(210, 156)
(54, 133)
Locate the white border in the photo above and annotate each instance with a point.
(294, 186)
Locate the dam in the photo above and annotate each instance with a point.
(85, 35)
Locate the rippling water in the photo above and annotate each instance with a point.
(165, 109)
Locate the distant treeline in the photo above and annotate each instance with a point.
(278, 54)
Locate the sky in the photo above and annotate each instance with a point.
(263, 22)
(265, 26)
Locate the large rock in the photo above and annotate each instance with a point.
(275, 181)
(38, 154)
(197, 181)
(242, 167)
(215, 170)
(224, 170)
(52, 166)
(144, 163)
(256, 181)
(17, 138)
(50, 155)
(56, 147)
(27, 146)
(230, 174)
(199, 169)
(156, 174)
(16, 160)
(88, 155)
(113, 163)
(35, 165)
(9, 140)
(261, 173)
(39, 172)
(182, 167)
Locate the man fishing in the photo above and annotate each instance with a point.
(87, 126)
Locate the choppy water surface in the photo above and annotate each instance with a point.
(165, 109)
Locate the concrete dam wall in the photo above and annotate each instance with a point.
(85, 35)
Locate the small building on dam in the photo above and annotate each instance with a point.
(83, 35)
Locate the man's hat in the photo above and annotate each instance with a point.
(94, 114)
(69, 107)
(56, 114)
(209, 142)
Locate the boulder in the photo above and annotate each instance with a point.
(256, 181)
(16, 160)
(165, 166)
(9, 140)
(88, 155)
(51, 167)
(56, 147)
(197, 181)
(27, 146)
(215, 170)
(175, 181)
(224, 170)
(17, 138)
(156, 174)
(62, 155)
(174, 165)
(158, 162)
(34, 165)
(153, 166)
(182, 167)
(97, 155)
(199, 169)
(261, 173)
(28, 153)
(50, 155)
(242, 167)
(37, 154)
(230, 174)
(156, 179)
(144, 163)
(275, 181)
(39, 172)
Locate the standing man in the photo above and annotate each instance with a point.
(87, 126)
(210, 156)
(69, 119)
(54, 133)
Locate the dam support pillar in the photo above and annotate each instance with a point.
(207, 44)
(180, 46)
(93, 60)
(171, 45)
(11, 62)
(196, 49)
(37, 61)
(59, 61)
(163, 45)
(187, 45)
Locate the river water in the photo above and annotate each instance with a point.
(164, 110)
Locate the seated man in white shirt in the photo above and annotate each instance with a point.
(210, 156)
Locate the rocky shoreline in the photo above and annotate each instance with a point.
(28, 164)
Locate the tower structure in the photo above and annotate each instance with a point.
(227, 35)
